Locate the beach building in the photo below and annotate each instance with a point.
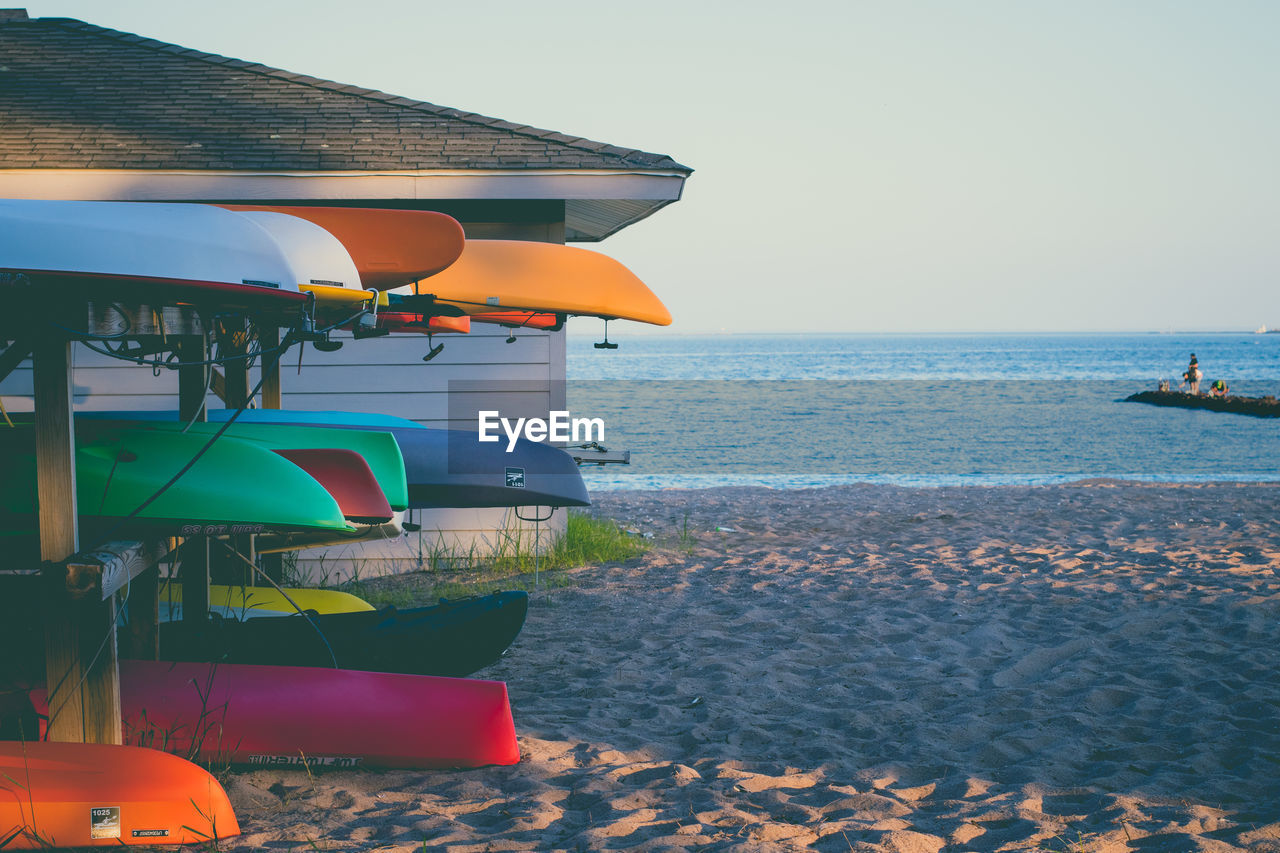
(91, 113)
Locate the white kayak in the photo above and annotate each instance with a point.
(321, 263)
(192, 247)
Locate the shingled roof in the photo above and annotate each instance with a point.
(78, 96)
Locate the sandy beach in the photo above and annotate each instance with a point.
(1089, 667)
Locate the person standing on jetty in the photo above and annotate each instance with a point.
(1193, 374)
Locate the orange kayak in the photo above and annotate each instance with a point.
(390, 248)
(397, 321)
(520, 319)
(546, 278)
(94, 795)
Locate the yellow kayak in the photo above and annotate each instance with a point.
(247, 602)
(331, 294)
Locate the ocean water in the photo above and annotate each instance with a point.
(792, 411)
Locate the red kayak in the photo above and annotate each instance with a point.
(347, 476)
(85, 794)
(303, 716)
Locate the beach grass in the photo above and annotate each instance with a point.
(512, 563)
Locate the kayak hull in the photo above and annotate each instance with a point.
(318, 257)
(300, 716)
(379, 450)
(119, 471)
(251, 602)
(453, 638)
(521, 320)
(179, 251)
(443, 468)
(345, 475)
(453, 468)
(502, 275)
(390, 248)
(423, 324)
(95, 795)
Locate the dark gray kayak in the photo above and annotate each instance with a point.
(444, 468)
(453, 468)
(453, 638)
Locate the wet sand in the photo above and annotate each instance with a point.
(1085, 667)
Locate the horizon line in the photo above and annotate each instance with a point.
(729, 332)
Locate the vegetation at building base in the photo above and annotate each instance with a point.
(509, 563)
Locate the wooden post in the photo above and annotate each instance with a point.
(14, 355)
(191, 380)
(80, 637)
(142, 639)
(232, 341)
(272, 564)
(191, 397)
(269, 338)
(195, 578)
(272, 567)
(123, 565)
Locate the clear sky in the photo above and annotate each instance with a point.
(861, 166)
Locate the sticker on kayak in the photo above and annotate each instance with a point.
(274, 285)
(515, 478)
(104, 822)
(221, 529)
(492, 300)
(151, 833)
(306, 760)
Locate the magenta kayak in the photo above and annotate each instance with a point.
(304, 716)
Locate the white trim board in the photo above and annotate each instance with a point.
(157, 185)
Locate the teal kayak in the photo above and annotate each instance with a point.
(379, 448)
(236, 487)
(445, 468)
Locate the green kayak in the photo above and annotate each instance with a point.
(379, 449)
(237, 486)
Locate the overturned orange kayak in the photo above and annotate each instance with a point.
(425, 324)
(390, 248)
(520, 319)
(94, 795)
(502, 275)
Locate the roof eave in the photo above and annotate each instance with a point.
(598, 202)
